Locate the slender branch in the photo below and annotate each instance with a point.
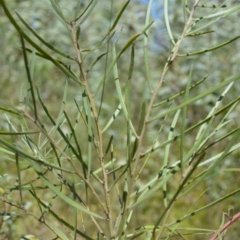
(169, 62)
(170, 205)
(42, 221)
(86, 181)
(99, 131)
(225, 226)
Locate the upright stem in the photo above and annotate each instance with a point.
(169, 62)
(99, 131)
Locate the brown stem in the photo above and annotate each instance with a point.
(170, 60)
(99, 131)
(225, 226)
(74, 167)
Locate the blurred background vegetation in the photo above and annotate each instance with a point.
(219, 64)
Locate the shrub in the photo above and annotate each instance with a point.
(133, 140)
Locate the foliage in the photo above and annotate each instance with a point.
(128, 126)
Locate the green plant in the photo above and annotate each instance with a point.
(102, 158)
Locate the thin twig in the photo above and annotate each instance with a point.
(86, 181)
(170, 60)
(225, 226)
(99, 131)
